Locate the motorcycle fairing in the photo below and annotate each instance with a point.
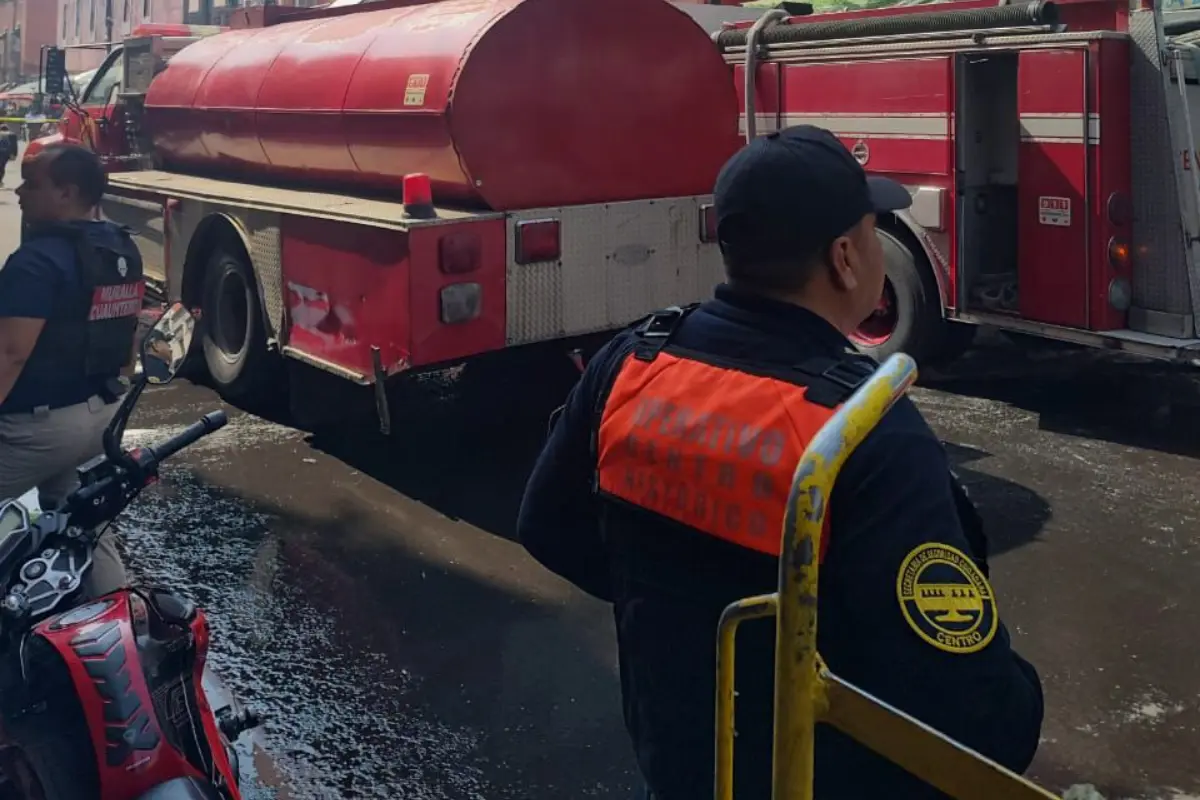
(107, 656)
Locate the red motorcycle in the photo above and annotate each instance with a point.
(105, 698)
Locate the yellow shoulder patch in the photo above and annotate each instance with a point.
(946, 599)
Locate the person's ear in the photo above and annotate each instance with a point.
(843, 264)
(69, 193)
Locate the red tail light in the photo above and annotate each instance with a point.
(459, 253)
(708, 223)
(537, 240)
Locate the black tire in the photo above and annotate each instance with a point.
(239, 363)
(958, 338)
(916, 324)
(59, 757)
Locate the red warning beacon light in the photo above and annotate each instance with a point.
(418, 196)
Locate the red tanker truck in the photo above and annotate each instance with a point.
(393, 188)
(569, 149)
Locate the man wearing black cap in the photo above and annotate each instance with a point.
(663, 485)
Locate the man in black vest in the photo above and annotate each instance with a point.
(69, 303)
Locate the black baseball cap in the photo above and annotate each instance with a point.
(792, 192)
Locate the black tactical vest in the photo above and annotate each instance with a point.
(95, 334)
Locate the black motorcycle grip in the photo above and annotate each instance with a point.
(209, 423)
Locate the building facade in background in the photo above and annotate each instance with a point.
(216, 12)
(84, 27)
(84, 22)
(25, 27)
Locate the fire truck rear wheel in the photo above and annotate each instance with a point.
(909, 318)
(235, 341)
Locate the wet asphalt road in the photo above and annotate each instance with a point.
(366, 592)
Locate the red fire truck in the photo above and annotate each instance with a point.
(1036, 140)
(275, 171)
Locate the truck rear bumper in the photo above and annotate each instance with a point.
(1149, 345)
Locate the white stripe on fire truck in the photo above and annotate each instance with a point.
(1034, 127)
(891, 126)
(1066, 128)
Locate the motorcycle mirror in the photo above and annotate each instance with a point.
(166, 345)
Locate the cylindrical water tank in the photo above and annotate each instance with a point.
(506, 104)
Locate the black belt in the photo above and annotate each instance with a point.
(112, 391)
(46, 407)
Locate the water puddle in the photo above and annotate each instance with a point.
(341, 722)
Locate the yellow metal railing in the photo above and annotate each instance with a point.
(805, 691)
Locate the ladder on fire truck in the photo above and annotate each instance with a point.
(1163, 302)
(1181, 61)
(806, 692)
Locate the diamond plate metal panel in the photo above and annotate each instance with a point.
(265, 246)
(1160, 268)
(534, 301)
(260, 234)
(620, 261)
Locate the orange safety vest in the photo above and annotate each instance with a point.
(712, 443)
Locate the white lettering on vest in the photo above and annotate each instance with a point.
(115, 301)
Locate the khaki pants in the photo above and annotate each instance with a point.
(41, 450)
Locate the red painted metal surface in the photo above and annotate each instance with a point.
(887, 86)
(201, 634)
(385, 293)
(95, 123)
(767, 92)
(338, 314)
(504, 103)
(1053, 269)
(915, 93)
(870, 96)
(432, 341)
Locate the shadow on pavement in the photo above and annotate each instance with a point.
(1084, 392)
(463, 445)
(477, 473)
(531, 679)
(1013, 515)
(417, 671)
(477, 476)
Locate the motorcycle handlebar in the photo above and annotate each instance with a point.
(209, 423)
